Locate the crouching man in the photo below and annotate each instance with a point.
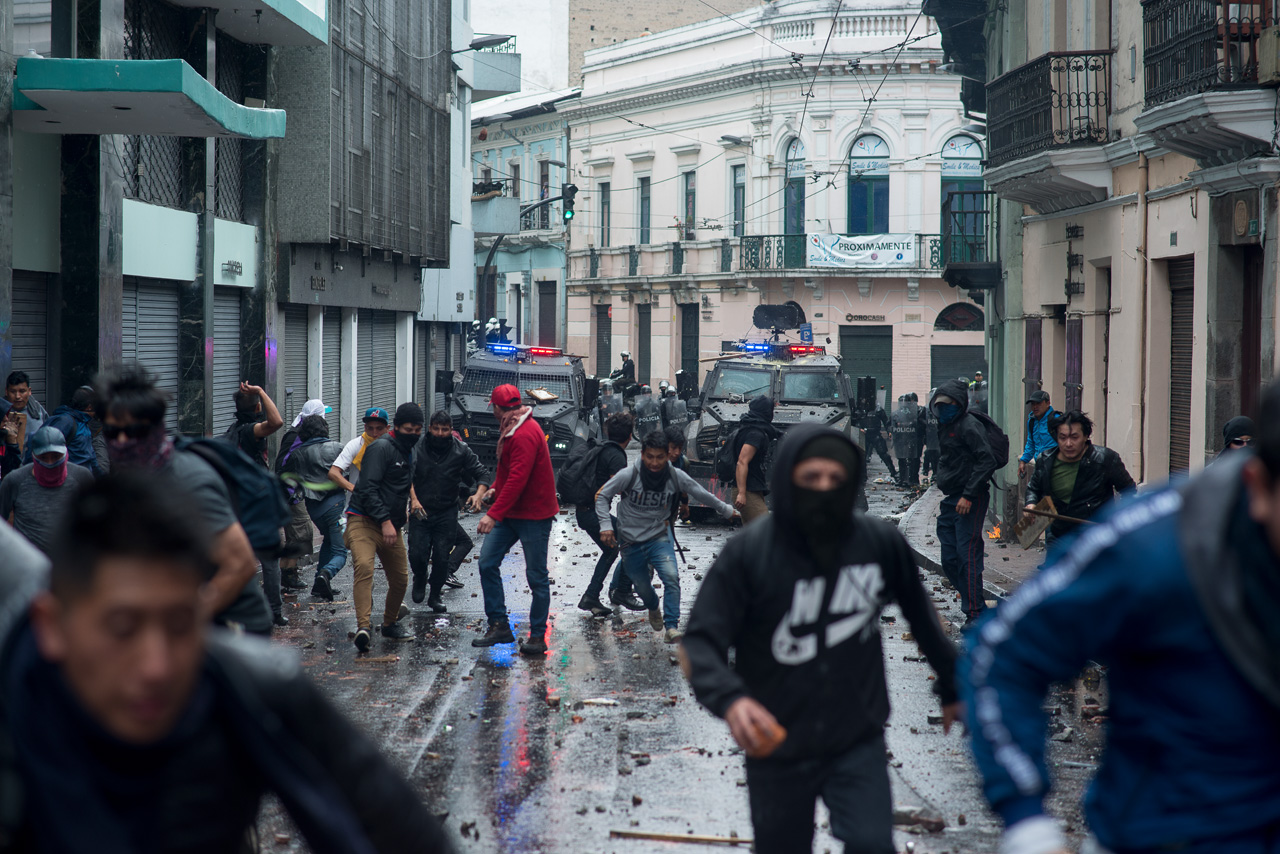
(798, 596)
(120, 704)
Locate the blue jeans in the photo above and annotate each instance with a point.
(659, 553)
(961, 540)
(327, 516)
(590, 522)
(533, 534)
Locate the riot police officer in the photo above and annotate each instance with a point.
(905, 439)
(874, 421)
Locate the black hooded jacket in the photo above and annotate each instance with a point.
(966, 462)
(756, 428)
(382, 493)
(437, 478)
(808, 643)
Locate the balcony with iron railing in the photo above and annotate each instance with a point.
(971, 240)
(789, 252)
(1201, 64)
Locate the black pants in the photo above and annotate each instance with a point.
(854, 785)
(882, 450)
(930, 462)
(432, 538)
(909, 469)
(590, 522)
(462, 546)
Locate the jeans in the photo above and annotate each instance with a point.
(961, 540)
(661, 555)
(854, 785)
(590, 522)
(430, 540)
(534, 535)
(271, 582)
(327, 516)
(364, 538)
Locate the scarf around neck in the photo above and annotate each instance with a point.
(508, 424)
(365, 441)
(51, 476)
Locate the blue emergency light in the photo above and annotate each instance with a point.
(755, 346)
(504, 349)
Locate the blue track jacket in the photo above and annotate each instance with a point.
(1039, 439)
(1193, 747)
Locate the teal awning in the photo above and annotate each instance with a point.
(149, 97)
(276, 22)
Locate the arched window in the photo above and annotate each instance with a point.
(960, 317)
(793, 204)
(869, 186)
(961, 166)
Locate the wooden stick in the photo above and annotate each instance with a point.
(678, 837)
(722, 358)
(1056, 516)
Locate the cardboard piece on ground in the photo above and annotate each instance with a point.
(1029, 529)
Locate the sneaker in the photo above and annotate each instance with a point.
(672, 635)
(363, 639)
(452, 581)
(594, 605)
(289, 580)
(279, 620)
(402, 613)
(397, 631)
(533, 646)
(499, 632)
(322, 589)
(631, 601)
(434, 603)
(419, 591)
(655, 619)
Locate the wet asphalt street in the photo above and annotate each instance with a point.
(551, 755)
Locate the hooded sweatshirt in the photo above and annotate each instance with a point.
(807, 642)
(966, 463)
(756, 429)
(643, 513)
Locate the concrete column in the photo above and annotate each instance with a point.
(315, 354)
(6, 190)
(404, 356)
(351, 423)
(262, 325)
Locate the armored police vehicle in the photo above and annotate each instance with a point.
(554, 384)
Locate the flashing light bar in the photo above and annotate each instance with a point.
(545, 351)
(505, 349)
(754, 346)
(806, 349)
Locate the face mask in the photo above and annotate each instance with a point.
(438, 443)
(151, 451)
(947, 412)
(824, 518)
(404, 441)
(51, 476)
(654, 481)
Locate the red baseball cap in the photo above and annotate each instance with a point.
(505, 395)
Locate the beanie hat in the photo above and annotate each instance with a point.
(831, 447)
(409, 413)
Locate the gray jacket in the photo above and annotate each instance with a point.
(310, 463)
(642, 516)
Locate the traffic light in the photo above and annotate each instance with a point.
(570, 192)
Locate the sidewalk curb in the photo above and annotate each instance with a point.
(927, 505)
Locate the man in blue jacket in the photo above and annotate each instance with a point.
(73, 422)
(1180, 590)
(1039, 437)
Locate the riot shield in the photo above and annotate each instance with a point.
(677, 413)
(611, 404)
(648, 418)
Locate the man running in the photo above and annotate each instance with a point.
(345, 470)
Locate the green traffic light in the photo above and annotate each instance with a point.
(568, 215)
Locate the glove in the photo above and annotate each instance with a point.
(1036, 835)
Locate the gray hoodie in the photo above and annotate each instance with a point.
(642, 516)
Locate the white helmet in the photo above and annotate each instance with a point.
(626, 355)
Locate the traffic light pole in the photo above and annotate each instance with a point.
(491, 276)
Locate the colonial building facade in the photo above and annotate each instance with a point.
(784, 155)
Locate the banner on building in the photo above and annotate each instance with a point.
(867, 251)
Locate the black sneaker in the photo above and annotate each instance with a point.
(322, 589)
(289, 580)
(434, 603)
(279, 620)
(594, 605)
(631, 601)
(452, 581)
(397, 631)
(533, 646)
(499, 632)
(363, 639)
(419, 588)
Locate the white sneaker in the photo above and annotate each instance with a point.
(655, 619)
(672, 635)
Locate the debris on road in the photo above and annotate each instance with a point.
(679, 837)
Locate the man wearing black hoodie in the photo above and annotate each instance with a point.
(798, 597)
(751, 448)
(965, 466)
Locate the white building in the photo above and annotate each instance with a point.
(714, 158)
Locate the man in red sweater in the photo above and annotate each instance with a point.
(524, 505)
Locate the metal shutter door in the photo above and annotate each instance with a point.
(383, 363)
(156, 339)
(644, 331)
(604, 339)
(949, 361)
(226, 357)
(331, 359)
(1181, 334)
(129, 323)
(867, 351)
(364, 360)
(547, 314)
(31, 332)
(295, 361)
(440, 357)
(1032, 352)
(421, 384)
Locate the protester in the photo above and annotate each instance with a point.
(376, 424)
(905, 443)
(375, 521)
(322, 499)
(442, 463)
(798, 598)
(751, 444)
(932, 446)
(524, 505)
(133, 412)
(30, 414)
(130, 726)
(650, 491)
(1238, 433)
(10, 453)
(611, 459)
(1039, 437)
(965, 466)
(73, 421)
(675, 456)
(1080, 475)
(33, 497)
(1176, 593)
(298, 535)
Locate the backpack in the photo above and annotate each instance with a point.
(725, 461)
(257, 496)
(996, 438)
(574, 483)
